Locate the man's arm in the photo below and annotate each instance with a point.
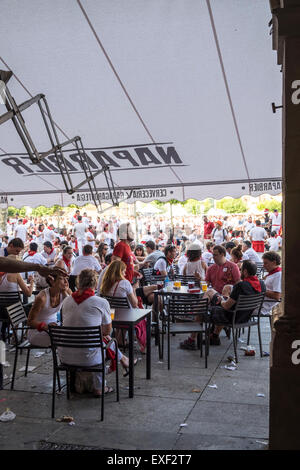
(10, 265)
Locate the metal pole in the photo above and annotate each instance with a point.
(136, 224)
(172, 225)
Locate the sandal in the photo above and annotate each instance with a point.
(107, 390)
(127, 368)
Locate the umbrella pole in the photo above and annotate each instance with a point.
(172, 224)
(136, 224)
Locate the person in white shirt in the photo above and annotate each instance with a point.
(21, 231)
(85, 219)
(219, 235)
(271, 262)
(32, 256)
(39, 235)
(249, 253)
(276, 221)
(274, 243)
(90, 239)
(83, 309)
(195, 266)
(85, 261)
(80, 233)
(207, 256)
(49, 252)
(249, 225)
(258, 235)
(49, 234)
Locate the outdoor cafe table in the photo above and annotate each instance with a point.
(170, 292)
(129, 317)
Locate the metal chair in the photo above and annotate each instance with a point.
(118, 302)
(246, 303)
(268, 315)
(6, 299)
(79, 338)
(188, 307)
(17, 316)
(260, 269)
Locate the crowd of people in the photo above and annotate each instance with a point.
(88, 261)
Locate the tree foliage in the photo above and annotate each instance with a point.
(271, 205)
(232, 206)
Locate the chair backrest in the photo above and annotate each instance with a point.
(9, 298)
(117, 302)
(75, 337)
(249, 302)
(147, 273)
(187, 306)
(186, 279)
(157, 278)
(16, 314)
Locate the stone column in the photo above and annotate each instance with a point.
(285, 345)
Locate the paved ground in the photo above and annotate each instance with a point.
(230, 416)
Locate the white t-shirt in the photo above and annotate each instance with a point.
(207, 257)
(79, 230)
(49, 235)
(219, 236)
(276, 220)
(251, 255)
(93, 311)
(85, 262)
(194, 266)
(161, 265)
(38, 258)
(258, 234)
(273, 243)
(21, 232)
(248, 226)
(181, 263)
(89, 238)
(121, 289)
(273, 283)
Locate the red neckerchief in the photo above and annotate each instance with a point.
(169, 261)
(276, 270)
(49, 228)
(254, 282)
(67, 261)
(31, 253)
(51, 251)
(83, 296)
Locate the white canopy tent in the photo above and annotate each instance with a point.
(174, 95)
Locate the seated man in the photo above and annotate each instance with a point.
(271, 261)
(222, 309)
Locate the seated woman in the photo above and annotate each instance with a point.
(15, 283)
(45, 308)
(82, 309)
(139, 253)
(237, 256)
(115, 284)
(195, 266)
(102, 251)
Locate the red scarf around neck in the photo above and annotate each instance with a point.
(31, 253)
(67, 261)
(276, 270)
(254, 282)
(83, 296)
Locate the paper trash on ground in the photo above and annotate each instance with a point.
(213, 386)
(183, 424)
(7, 416)
(30, 369)
(260, 395)
(39, 354)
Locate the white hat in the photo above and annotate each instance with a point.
(194, 247)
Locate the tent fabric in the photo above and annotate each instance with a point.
(141, 83)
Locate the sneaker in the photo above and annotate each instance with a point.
(188, 344)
